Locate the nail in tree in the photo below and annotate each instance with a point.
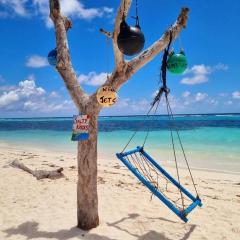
(87, 198)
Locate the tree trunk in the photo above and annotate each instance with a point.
(87, 198)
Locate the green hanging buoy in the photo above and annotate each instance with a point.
(177, 63)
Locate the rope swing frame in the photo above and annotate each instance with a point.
(151, 173)
(181, 213)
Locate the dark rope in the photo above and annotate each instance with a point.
(124, 8)
(133, 135)
(137, 17)
(139, 163)
(174, 151)
(164, 63)
(183, 151)
(148, 130)
(164, 87)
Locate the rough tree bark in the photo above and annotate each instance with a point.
(87, 199)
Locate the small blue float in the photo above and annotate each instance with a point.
(52, 57)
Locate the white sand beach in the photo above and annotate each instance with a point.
(46, 209)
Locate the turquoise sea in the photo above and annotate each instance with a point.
(210, 141)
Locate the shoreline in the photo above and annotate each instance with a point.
(102, 156)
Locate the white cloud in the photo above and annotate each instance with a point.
(236, 95)
(45, 107)
(8, 98)
(92, 78)
(54, 94)
(17, 6)
(220, 67)
(29, 98)
(24, 90)
(201, 72)
(140, 106)
(191, 99)
(197, 79)
(223, 94)
(199, 69)
(74, 8)
(200, 96)
(36, 61)
(70, 8)
(202, 69)
(128, 106)
(186, 94)
(228, 103)
(154, 94)
(213, 102)
(7, 88)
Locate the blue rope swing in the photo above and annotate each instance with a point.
(150, 173)
(140, 153)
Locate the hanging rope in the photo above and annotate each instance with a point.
(158, 95)
(174, 151)
(140, 162)
(181, 145)
(135, 132)
(137, 17)
(163, 78)
(154, 114)
(108, 55)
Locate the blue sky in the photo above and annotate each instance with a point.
(29, 87)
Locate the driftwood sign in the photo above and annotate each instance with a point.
(80, 128)
(106, 96)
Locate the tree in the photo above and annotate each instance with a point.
(87, 198)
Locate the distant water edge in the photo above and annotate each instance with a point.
(212, 140)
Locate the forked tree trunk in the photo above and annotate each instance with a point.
(87, 198)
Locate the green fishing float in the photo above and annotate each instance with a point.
(177, 63)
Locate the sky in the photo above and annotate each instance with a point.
(29, 87)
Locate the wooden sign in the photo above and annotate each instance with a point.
(106, 96)
(80, 128)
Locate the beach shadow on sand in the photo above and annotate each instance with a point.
(30, 231)
(150, 235)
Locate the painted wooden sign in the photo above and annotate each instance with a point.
(106, 96)
(80, 128)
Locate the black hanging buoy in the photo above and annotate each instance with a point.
(130, 39)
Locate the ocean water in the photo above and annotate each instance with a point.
(210, 141)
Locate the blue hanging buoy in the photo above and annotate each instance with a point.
(52, 57)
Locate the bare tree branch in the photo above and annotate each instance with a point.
(123, 9)
(87, 199)
(120, 64)
(121, 75)
(64, 65)
(106, 33)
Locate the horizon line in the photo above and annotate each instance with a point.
(138, 115)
